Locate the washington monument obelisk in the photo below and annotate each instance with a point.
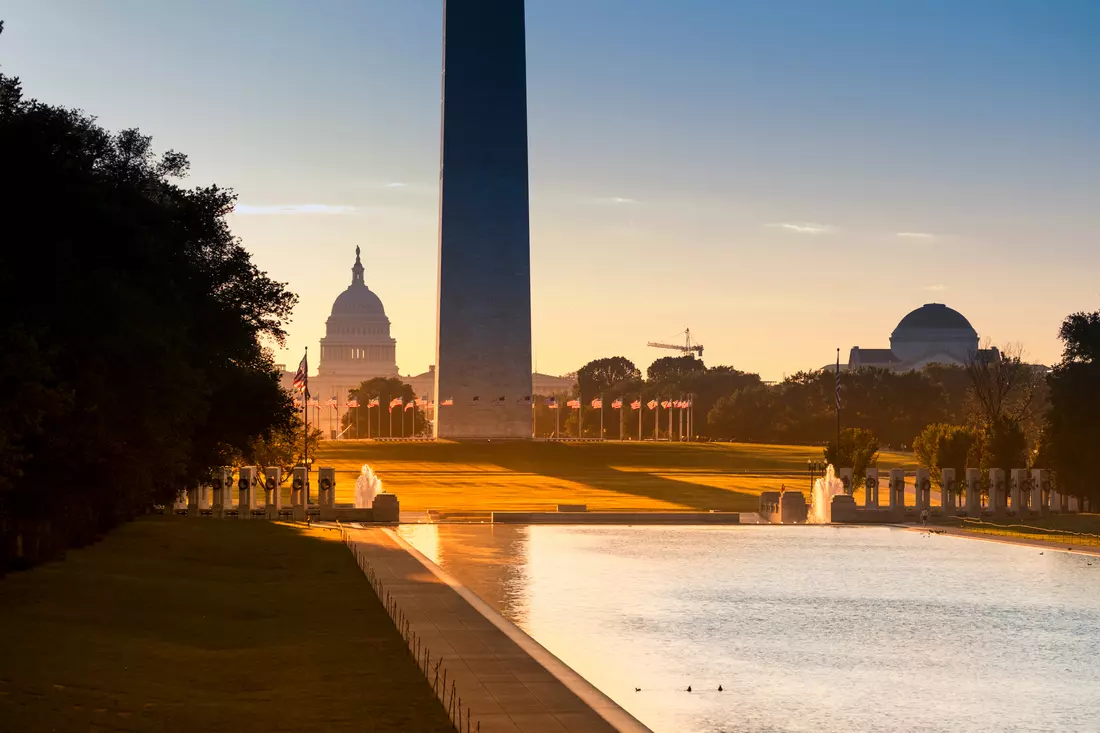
(483, 343)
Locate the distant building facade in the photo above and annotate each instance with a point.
(357, 346)
(931, 334)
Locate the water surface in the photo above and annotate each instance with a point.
(806, 628)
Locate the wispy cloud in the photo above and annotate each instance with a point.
(251, 209)
(916, 235)
(805, 227)
(618, 201)
(935, 288)
(395, 184)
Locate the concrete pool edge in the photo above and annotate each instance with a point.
(610, 711)
(962, 534)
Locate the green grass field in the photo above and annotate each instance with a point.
(478, 477)
(174, 624)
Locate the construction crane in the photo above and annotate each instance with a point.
(689, 346)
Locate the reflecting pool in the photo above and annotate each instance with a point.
(805, 628)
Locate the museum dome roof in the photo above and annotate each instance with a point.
(934, 316)
(358, 299)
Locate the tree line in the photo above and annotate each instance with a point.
(136, 331)
(996, 411)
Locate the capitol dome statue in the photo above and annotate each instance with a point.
(357, 344)
(931, 334)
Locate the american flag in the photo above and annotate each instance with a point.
(575, 404)
(315, 402)
(395, 402)
(422, 401)
(617, 404)
(332, 402)
(636, 405)
(652, 404)
(351, 403)
(678, 403)
(666, 404)
(552, 403)
(410, 404)
(447, 402)
(301, 377)
(597, 404)
(373, 402)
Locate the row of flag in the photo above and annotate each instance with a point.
(597, 404)
(552, 403)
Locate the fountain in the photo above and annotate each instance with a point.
(367, 487)
(821, 502)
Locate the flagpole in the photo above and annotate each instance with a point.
(601, 418)
(640, 408)
(837, 455)
(656, 416)
(305, 435)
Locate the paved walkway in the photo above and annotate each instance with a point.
(492, 662)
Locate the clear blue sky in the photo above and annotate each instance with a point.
(784, 177)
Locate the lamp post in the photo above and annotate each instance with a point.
(814, 468)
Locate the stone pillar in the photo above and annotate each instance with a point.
(223, 491)
(273, 499)
(1021, 491)
(997, 497)
(204, 498)
(1072, 504)
(193, 501)
(973, 493)
(948, 488)
(298, 493)
(897, 489)
(923, 490)
(845, 476)
(246, 486)
(326, 495)
(483, 342)
(1040, 490)
(870, 485)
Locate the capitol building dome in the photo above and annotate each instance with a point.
(357, 344)
(931, 334)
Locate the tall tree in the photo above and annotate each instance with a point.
(668, 368)
(137, 329)
(598, 376)
(386, 389)
(858, 450)
(1073, 421)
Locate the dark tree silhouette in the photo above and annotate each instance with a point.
(1072, 432)
(134, 329)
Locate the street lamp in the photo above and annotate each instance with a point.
(814, 468)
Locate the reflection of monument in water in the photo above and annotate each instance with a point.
(492, 563)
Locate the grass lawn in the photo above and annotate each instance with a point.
(174, 624)
(457, 477)
(1040, 528)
